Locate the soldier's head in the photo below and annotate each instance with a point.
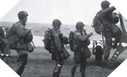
(79, 25)
(22, 15)
(105, 4)
(56, 24)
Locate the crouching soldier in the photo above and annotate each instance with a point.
(54, 42)
(20, 39)
(80, 47)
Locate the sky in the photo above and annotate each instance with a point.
(44, 11)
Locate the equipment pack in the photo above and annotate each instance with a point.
(47, 39)
(71, 40)
(97, 23)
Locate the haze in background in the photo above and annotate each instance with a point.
(44, 11)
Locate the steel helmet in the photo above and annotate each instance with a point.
(105, 4)
(79, 25)
(22, 14)
(56, 22)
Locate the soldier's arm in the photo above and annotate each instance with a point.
(82, 37)
(57, 41)
(110, 9)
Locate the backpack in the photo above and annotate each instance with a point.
(29, 36)
(13, 38)
(71, 40)
(97, 23)
(47, 39)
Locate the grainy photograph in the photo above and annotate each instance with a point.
(63, 38)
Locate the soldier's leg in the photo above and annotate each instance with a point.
(6, 52)
(83, 66)
(117, 38)
(58, 67)
(76, 63)
(107, 48)
(22, 61)
(2, 55)
(73, 70)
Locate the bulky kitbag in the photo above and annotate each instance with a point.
(29, 36)
(97, 23)
(71, 40)
(114, 28)
(47, 39)
(86, 42)
(66, 54)
(30, 46)
(87, 53)
(12, 38)
(29, 41)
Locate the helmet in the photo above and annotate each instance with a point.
(79, 25)
(22, 14)
(105, 4)
(56, 22)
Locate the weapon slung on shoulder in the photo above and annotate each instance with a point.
(120, 48)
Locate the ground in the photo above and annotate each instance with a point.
(41, 65)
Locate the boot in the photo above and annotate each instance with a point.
(82, 72)
(73, 70)
(55, 75)
(72, 74)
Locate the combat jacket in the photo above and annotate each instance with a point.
(19, 33)
(81, 39)
(57, 37)
(105, 18)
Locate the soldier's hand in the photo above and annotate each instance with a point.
(90, 34)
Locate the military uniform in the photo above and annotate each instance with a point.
(105, 18)
(80, 46)
(57, 47)
(19, 33)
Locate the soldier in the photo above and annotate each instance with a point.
(57, 47)
(105, 20)
(18, 38)
(80, 46)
